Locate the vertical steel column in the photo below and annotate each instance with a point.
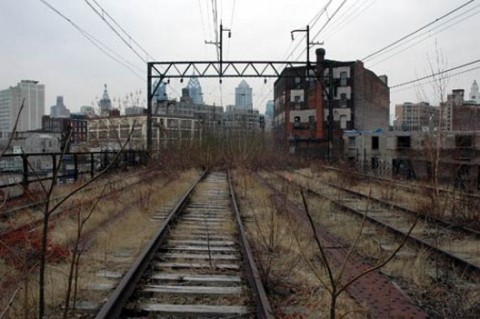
(331, 87)
(149, 108)
(92, 165)
(25, 171)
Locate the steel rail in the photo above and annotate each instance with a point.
(426, 217)
(113, 307)
(264, 311)
(468, 268)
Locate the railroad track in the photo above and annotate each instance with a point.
(114, 188)
(413, 188)
(198, 265)
(457, 245)
(374, 290)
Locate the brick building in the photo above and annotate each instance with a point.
(458, 114)
(359, 100)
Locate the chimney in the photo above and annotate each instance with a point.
(320, 61)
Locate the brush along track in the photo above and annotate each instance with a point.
(460, 197)
(197, 266)
(457, 245)
(8, 227)
(374, 290)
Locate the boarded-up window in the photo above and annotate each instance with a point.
(374, 142)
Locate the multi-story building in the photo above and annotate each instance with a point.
(359, 100)
(416, 116)
(243, 96)
(269, 108)
(474, 95)
(87, 110)
(76, 126)
(241, 120)
(32, 95)
(59, 109)
(458, 114)
(109, 133)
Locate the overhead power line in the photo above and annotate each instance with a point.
(426, 35)
(102, 16)
(97, 43)
(417, 31)
(434, 74)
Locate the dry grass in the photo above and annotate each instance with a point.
(286, 255)
(115, 246)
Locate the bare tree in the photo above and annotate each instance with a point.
(77, 253)
(335, 284)
(50, 208)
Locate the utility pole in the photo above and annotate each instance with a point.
(219, 45)
(309, 44)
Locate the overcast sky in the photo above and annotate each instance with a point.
(39, 44)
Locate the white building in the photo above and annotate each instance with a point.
(474, 95)
(243, 96)
(33, 95)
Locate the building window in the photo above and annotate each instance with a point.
(343, 122)
(374, 142)
(463, 141)
(343, 100)
(298, 81)
(311, 123)
(351, 142)
(296, 122)
(343, 78)
(375, 163)
(403, 141)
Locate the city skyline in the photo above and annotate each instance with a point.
(69, 65)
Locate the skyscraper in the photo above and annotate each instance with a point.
(243, 96)
(59, 109)
(32, 95)
(161, 91)
(195, 90)
(269, 108)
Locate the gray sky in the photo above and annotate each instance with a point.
(38, 44)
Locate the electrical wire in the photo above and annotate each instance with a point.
(349, 18)
(102, 16)
(417, 31)
(433, 81)
(426, 35)
(97, 43)
(434, 74)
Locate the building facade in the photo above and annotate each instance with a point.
(243, 96)
(110, 133)
(416, 116)
(32, 94)
(458, 114)
(59, 109)
(358, 99)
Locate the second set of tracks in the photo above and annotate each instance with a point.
(197, 265)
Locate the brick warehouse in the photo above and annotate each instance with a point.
(358, 98)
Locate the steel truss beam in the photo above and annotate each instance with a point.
(225, 69)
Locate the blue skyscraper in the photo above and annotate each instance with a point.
(243, 96)
(195, 90)
(160, 93)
